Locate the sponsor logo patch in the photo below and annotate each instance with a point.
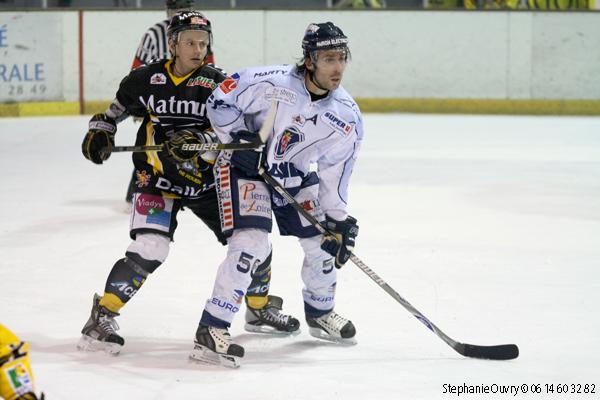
(202, 81)
(149, 204)
(224, 305)
(158, 79)
(254, 199)
(19, 379)
(281, 94)
(153, 207)
(288, 139)
(229, 84)
(142, 178)
(337, 123)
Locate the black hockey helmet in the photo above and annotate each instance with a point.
(323, 36)
(188, 21)
(178, 4)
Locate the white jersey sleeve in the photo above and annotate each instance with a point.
(335, 169)
(239, 103)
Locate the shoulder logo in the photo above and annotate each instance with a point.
(229, 84)
(337, 123)
(288, 139)
(158, 79)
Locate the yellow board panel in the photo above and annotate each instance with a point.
(431, 106)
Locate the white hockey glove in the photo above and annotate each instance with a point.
(341, 244)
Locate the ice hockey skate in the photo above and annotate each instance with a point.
(332, 327)
(214, 346)
(270, 320)
(99, 334)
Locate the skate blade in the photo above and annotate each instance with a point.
(321, 334)
(207, 356)
(87, 343)
(269, 330)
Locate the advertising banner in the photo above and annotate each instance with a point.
(30, 57)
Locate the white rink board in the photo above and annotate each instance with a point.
(396, 54)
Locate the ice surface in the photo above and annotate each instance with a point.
(490, 226)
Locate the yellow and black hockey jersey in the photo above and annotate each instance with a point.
(167, 104)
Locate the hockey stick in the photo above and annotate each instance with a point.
(498, 352)
(191, 147)
(263, 135)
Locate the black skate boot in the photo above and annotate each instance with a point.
(269, 319)
(99, 331)
(332, 327)
(214, 346)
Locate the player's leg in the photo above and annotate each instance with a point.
(153, 223)
(318, 271)
(245, 214)
(319, 277)
(263, 311)
(247, 249)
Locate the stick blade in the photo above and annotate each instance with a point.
(499, 352)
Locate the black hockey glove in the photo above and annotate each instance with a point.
(341, 243)
(100, 138)
(183, 145)
(247, 161)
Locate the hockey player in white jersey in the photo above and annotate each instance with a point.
(311, 150)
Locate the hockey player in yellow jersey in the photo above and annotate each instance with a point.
(16, 379)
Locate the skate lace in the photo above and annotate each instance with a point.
(273, 315)
(336, 321)
(221, 337)
(108, 324)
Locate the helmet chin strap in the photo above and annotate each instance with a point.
(311, 76)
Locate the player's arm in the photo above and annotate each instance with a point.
(102, 127)
(335, 169)
(235, 98)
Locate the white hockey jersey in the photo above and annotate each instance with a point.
(326, 133)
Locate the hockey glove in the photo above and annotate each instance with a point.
(340, 243)
(247, 161)
(184, 145)
(100, 139)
